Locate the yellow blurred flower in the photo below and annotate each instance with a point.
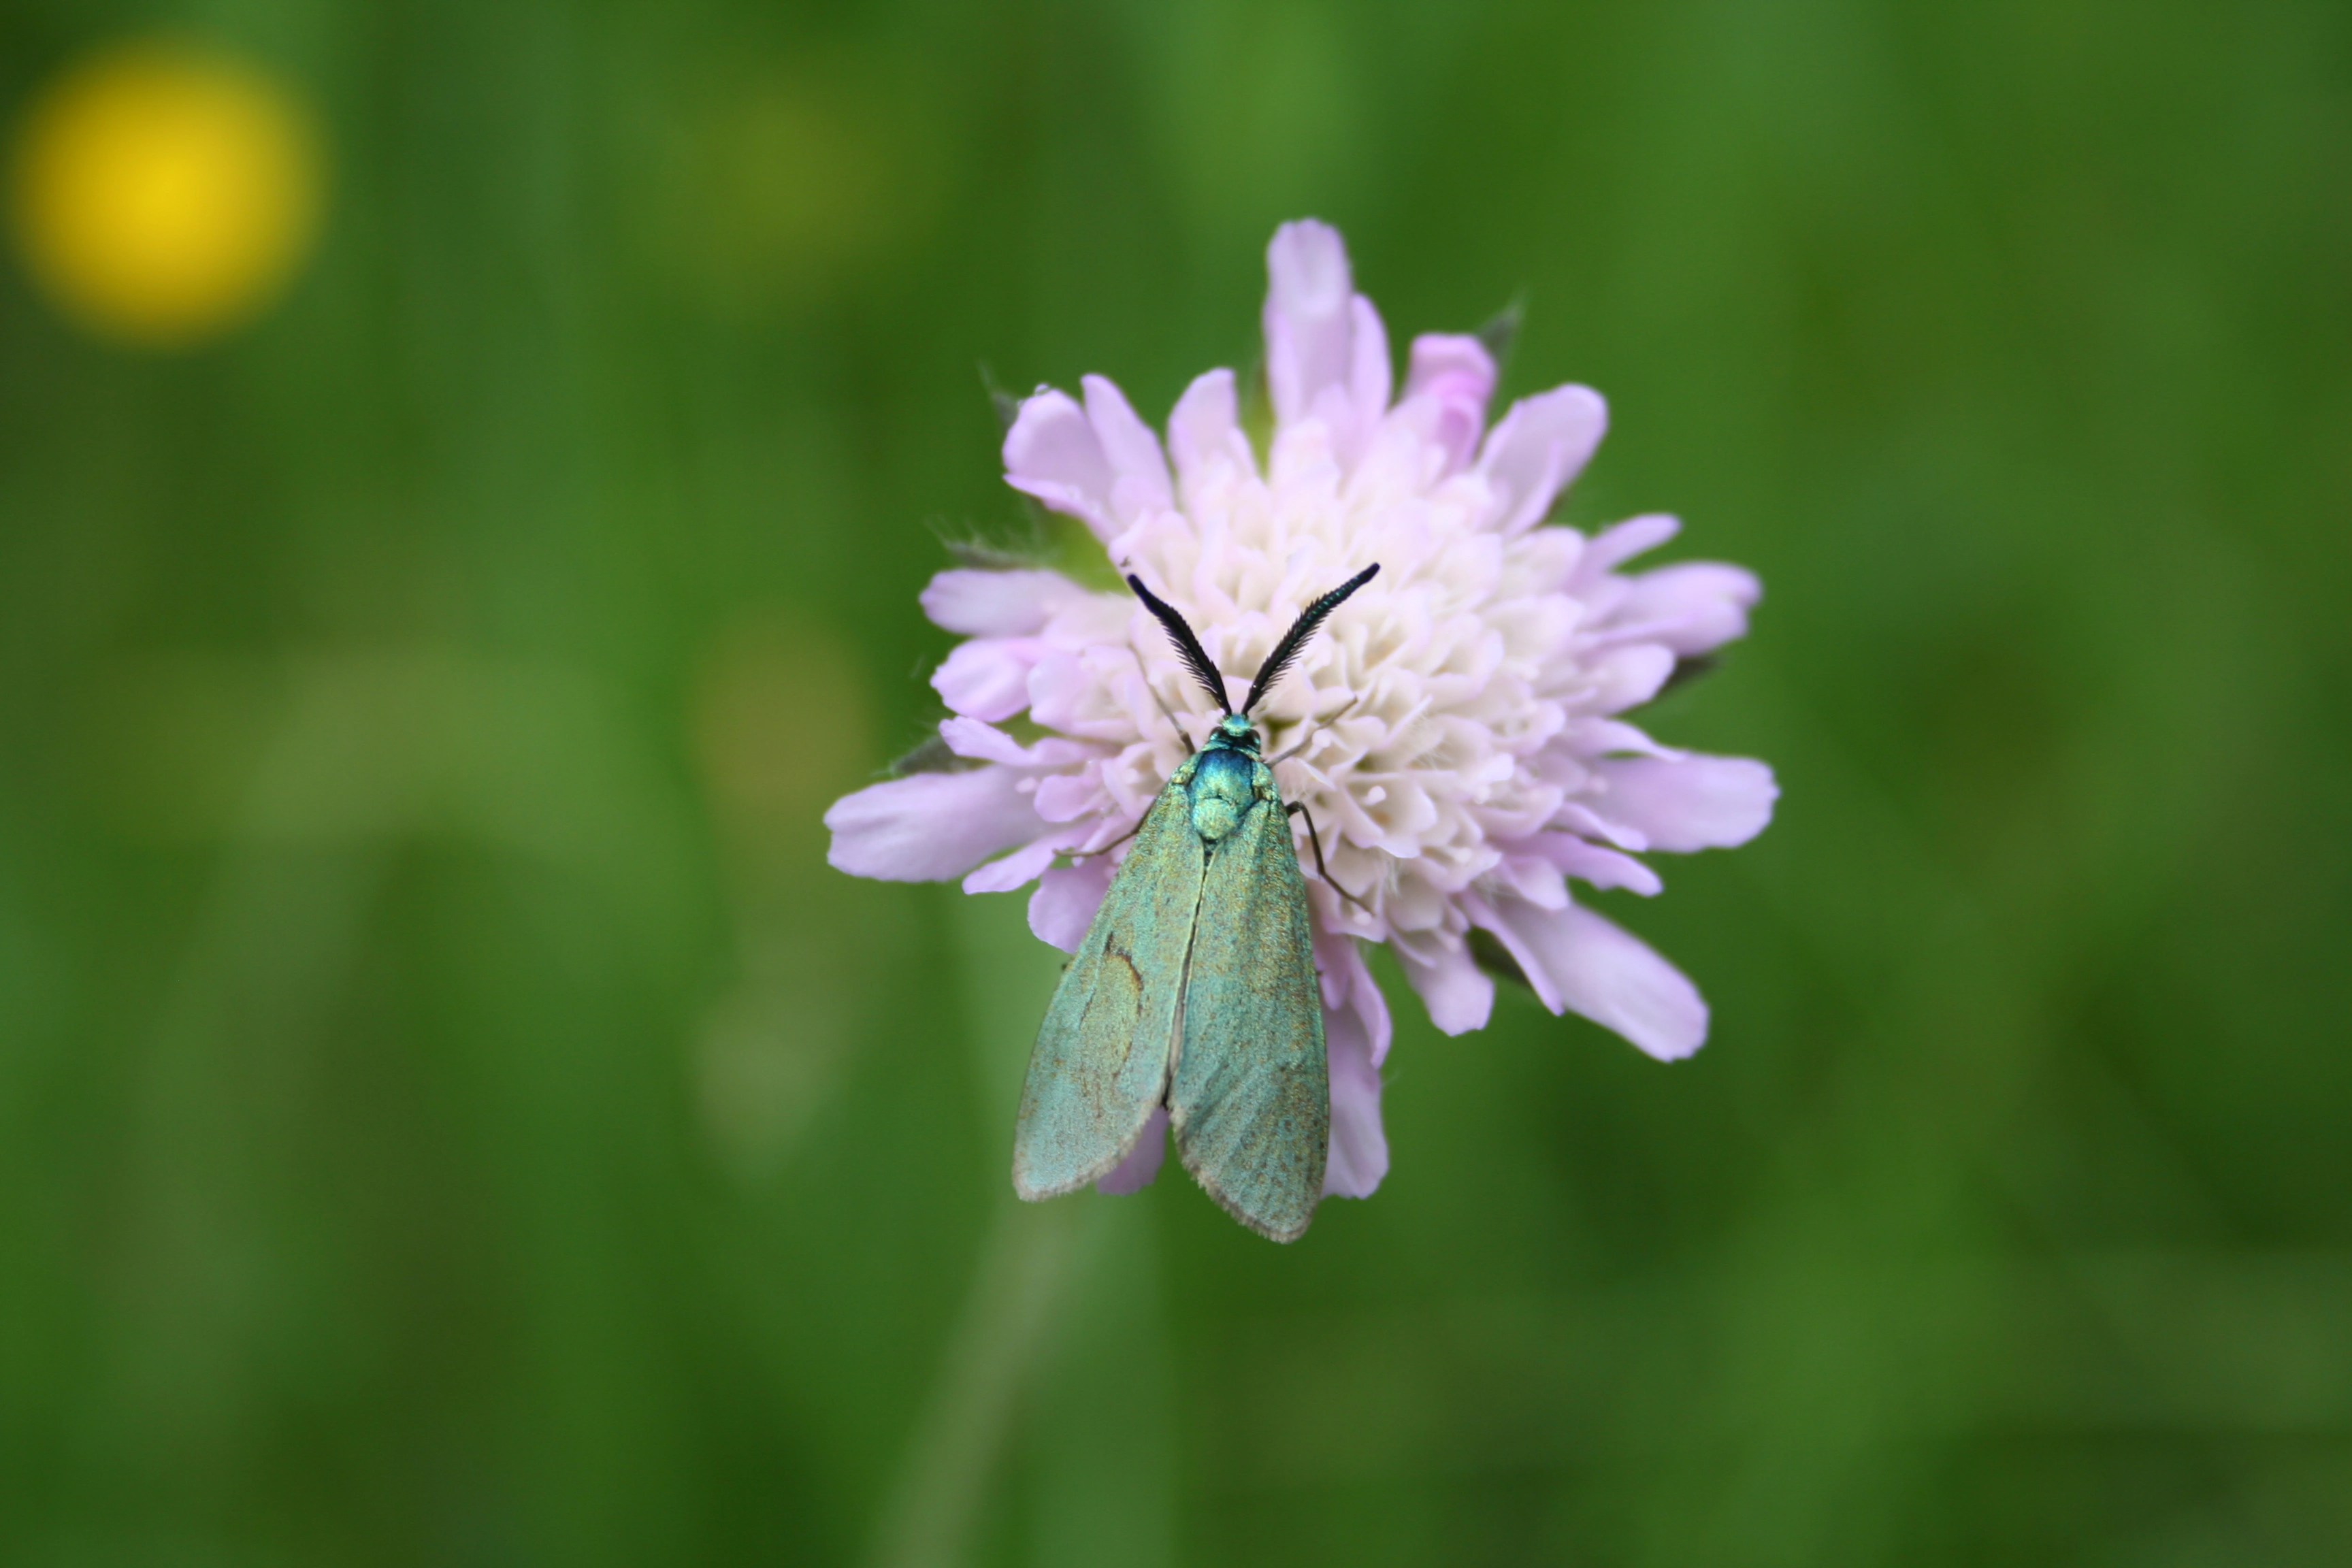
(162, 195)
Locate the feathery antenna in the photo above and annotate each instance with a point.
(1186, 643)
(1295, 637)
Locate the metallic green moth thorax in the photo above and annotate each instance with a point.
(1226, 778)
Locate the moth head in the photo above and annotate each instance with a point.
(1236, 731)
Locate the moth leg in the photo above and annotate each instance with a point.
(1310, 734)
(1174, 722)
(1298, 808)
(1077, 854)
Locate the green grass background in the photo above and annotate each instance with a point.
(449, 1113)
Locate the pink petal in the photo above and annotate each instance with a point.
(995, 604)
(1578, 819)
(987, 743)
(1621, 541)
(1595, 864)
(928, 827)
(1576, 960)
(1065, 900)
(984, 743)
(1627, 676)
(1540, 445)
(1459, 995)
(1139, 473)
(1359, 1148)
(1531, 876)
(1307, 320)
(1065, 797)
(1053, 452)
(1369, 373)
(1451, 364)
(1693, 606)
(1597, 736)
(1134, 1174)
(1085, 694)
(1455, 372)
(1688, 802)
(1204, 430)
(1489, 915)
(987, 677)
(1349, 986)
(1017, 870)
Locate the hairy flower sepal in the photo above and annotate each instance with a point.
(1462, 740)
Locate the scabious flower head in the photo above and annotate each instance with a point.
(1458, 722)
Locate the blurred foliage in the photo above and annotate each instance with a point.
(450, 1113)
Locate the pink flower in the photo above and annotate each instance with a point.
(1463, 753)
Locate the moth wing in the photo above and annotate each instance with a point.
(1100, 1064)
(1251, 1099)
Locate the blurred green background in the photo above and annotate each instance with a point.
(449, 1113)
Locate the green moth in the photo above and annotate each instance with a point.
(1196, 988)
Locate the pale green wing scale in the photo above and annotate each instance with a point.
(1100, 1064)
(1251, 1099)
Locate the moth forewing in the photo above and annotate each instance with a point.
(1250, 1101)
(1101, 1062)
